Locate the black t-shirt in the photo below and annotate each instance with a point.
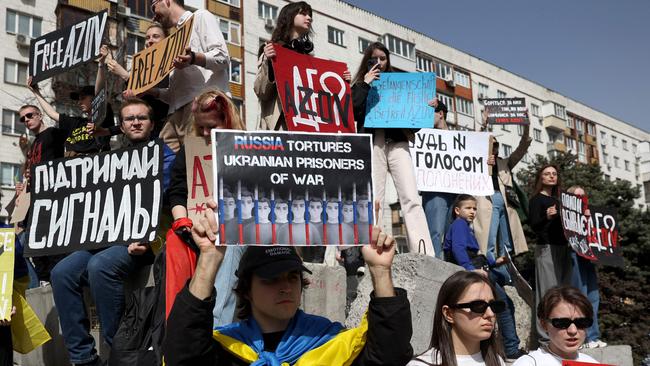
(78, 139)
(548, 231)
(271, 340)
(48, 145)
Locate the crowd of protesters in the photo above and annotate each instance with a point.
(240, 305)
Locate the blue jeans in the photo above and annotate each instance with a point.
(104, 272)
(437, 208)
(499, 230)
(505, 319)
(226, 301)
(584, 278)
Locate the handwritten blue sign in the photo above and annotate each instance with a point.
(399, 100)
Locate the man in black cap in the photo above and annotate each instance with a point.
(79, 130)
(273, 330)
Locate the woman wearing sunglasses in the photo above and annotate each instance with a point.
(464, 324)
(565, 314)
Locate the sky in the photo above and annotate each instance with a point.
(594, 51)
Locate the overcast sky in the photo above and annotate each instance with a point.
(593, 51)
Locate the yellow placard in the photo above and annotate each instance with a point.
(7, 251)
(151, 65)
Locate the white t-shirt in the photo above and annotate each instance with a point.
(542, 357)
(461, 360)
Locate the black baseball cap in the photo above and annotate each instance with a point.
(87, 90)
(269, 261)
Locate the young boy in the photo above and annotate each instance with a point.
(460, 247)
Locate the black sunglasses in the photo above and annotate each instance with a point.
(27, 116)
(480, 306)
(564, 323)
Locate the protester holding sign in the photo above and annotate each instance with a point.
(585, 278)
(464, 324)
(273, 330)
(565, 314)
(103, 270)
(203, 67)
(497, 217)
(391, 151)
(552, 253)
(212, 109)
(292, 30)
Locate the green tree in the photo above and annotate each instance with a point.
(625, 292)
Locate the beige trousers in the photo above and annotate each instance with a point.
(176, 127)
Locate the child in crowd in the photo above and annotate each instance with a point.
(460, 247)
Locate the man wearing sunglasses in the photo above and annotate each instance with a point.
(204, 66)
(104, 271)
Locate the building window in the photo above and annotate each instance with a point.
(570, 143)
(134, 43)
(141, 8)
(230, 31)
(520, 130)
(482, 91)
(20, 23)
(507, 150)
(267, 11)
(230, 2)
(235, 71)
(423, 63)
(591, 129)
(501, 94)
(537, 134)
(603, 135)
(400, 46)
(605, 158)
(624, 143)
(461, 79)
(580, 126)
(570, 122)
(614, 141)
(634, 148)
(559, 111)
(363, 44)
(9, 174)
(465, 106)
(11, 124)
(582, 157)
(335, 36)
(608, 177)
(627, 165)
(505, 128)
(15, 72)
(443, 71)
(616, 161)
(534, 110)
(447, 100)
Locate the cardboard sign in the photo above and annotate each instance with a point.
(95, 201)
(64, 49)
(293, 188)
(506, 111)
(592, 232)
(578, 363)
(151, 65)
(7, 253)
(198, 163)
(98, 107)
(399, 100)
(314, 96)
(21, 207)
(452, 161)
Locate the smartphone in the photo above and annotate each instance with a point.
(372, 62)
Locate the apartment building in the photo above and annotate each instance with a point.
(21, 20)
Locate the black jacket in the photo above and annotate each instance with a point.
(177, 191)
(189, 333)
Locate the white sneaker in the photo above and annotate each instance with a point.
(595, 344)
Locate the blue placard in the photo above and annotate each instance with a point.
(399, 100)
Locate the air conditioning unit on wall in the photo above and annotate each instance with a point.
(269, 24)
(22, 40)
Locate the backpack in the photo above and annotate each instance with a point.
(139, 337)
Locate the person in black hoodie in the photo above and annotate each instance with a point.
(273, 330)
(390, 151)
(553, 265)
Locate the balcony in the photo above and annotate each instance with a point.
(554, 123)
(554, 147)
(591, 140)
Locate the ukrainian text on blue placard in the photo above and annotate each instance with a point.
(399, 100)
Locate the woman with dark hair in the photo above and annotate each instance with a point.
(390, 151)
(553, 264)
(292, 30)
(464, 324)
(565, 314)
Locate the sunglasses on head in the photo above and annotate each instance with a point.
(27, 116)
(480, 306)
(564, 323)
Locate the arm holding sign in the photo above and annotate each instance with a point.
(216, 56)
(47, 107)
(264, 87)
(522, 148)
